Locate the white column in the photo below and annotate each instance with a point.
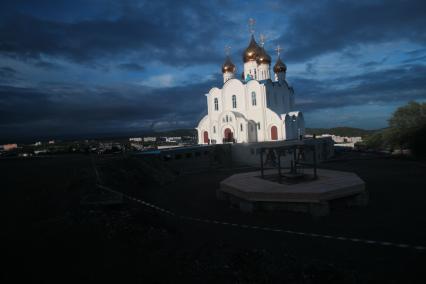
(250, 68)
(263, 72)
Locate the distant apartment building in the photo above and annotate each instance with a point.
(149, 139)
(105, 145)
(137, 146)
(42, 151)
(343, 141)
(175, 139)
(136, 139)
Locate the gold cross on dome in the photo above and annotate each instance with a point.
(262, 39)
(252, 22)
(278, 49)
(227, 50)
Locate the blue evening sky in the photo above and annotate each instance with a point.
(93, 67)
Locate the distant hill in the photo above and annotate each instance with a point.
(176, 132)
(341, 131)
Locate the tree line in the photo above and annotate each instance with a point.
(407, 130)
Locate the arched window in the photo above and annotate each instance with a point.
(234, 101)
(253, 99)
(216, 104)
(241, 127)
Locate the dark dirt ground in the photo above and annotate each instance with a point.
(47, 236)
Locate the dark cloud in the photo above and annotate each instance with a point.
(131, 67)
(62, 108)
(318, 27)
(417, 52)
(56, 109)
(8, 75)
(416, 59)
(172, 32)
(72, 43)
(404, 83)
(7, 72)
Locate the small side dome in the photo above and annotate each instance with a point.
(251, 52)
(263, 57)
(280, 66)
(228, 66)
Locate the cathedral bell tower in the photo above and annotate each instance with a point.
(263, 61)
(249, 59)
(280, 68)
(228, 68)
(250, 55)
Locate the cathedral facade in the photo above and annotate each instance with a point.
(256, 108)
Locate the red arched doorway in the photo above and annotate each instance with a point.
(274, 133)
(228, 135)
(206, 137)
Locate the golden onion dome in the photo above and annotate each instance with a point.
(279, 66)
(251, 52)
(228, 66)
(263, 57)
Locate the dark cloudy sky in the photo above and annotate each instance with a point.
(81, 67)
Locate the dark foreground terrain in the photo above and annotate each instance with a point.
(53, 229)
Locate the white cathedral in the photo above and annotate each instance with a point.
(254, 109)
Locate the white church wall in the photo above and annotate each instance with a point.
(253, 112)
(227, 120)
(252, 131)
(233, 87)
(242, 130)
(257, 113)
(215, 135)
(202, 127)
(215, 93)
(273, 119)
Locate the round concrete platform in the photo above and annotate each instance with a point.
(250, 192)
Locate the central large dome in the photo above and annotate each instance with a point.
(252, 51)
(263, 57)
